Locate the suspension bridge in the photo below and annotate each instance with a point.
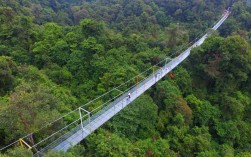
(88, 121)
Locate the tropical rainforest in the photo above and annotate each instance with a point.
(56, 55)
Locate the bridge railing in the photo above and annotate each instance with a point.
(95, 114)
(121, 98)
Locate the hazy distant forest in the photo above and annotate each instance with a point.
(56, 55)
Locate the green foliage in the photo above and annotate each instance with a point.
(27, 108)
(77, 151)
(137, 120)
(226, 66)
(183, 80)
(203, 112)
(56, 55)
(228, 132)
(7, 71)
(243, 154)
(244, 129)
(152, 147)
(35, 102)
(170, 103)
(208, 154)
(226, 150)
(59, 75)
(58, 154)
(90, 27)
(234, 105)
(107, 144)
(18, 152)
(198, 141)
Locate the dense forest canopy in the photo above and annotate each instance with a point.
(56, 55)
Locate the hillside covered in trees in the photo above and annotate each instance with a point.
(56, 55)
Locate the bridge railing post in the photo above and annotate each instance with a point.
(81, 118)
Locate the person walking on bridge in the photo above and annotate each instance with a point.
(129, 95)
